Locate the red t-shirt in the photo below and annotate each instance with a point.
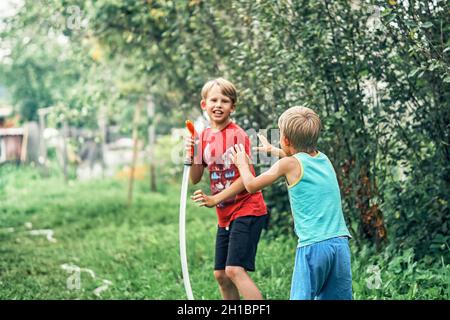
(215, 147)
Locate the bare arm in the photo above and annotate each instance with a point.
(211, 201)
(196, 173)
(235, 188)
(277, 152)
(254, 184)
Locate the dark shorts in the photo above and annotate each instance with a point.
(237, 246)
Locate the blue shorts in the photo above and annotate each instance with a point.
(322, 271)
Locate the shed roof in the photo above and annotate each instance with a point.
(5, 112)
(11, 131)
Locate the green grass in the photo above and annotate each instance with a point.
(136, 248)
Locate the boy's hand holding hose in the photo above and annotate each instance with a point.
(189, 144)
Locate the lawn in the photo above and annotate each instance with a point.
(136, 248)
(131, 252)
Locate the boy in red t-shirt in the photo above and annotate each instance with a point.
(241, 215)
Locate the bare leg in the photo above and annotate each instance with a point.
(244, 283)
(227, 287)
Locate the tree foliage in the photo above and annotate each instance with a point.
(377, 72)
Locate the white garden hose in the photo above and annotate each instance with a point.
(184, 265)
(182, 231)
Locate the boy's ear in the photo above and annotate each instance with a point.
(203, 104)
(233, 108)
(286, 141)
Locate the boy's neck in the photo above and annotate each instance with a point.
(312, 154)
(219, 126)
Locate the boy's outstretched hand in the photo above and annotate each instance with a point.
(266, 146)
(238, 156)
(203, 199)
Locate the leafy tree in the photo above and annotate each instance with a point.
(377, 72)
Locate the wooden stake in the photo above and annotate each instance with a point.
(23, 151)
(65, 134)
(136, 118)
(151, 143)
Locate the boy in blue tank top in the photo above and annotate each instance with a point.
(322, 262)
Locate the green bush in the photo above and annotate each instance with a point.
(375, 71)
(400, 276)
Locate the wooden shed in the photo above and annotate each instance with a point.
(10, 144)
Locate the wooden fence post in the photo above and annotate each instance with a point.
(136, 118)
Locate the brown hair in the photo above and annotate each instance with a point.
(228, 89)
(301, 126)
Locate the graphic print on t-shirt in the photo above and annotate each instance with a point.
(222, 173)
(215, 149)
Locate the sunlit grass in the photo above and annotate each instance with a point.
(136, 247)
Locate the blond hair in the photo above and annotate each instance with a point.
(228, 89)
(301, 126)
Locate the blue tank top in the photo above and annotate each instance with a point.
(316, 201)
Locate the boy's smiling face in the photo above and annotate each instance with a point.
(218, 106)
